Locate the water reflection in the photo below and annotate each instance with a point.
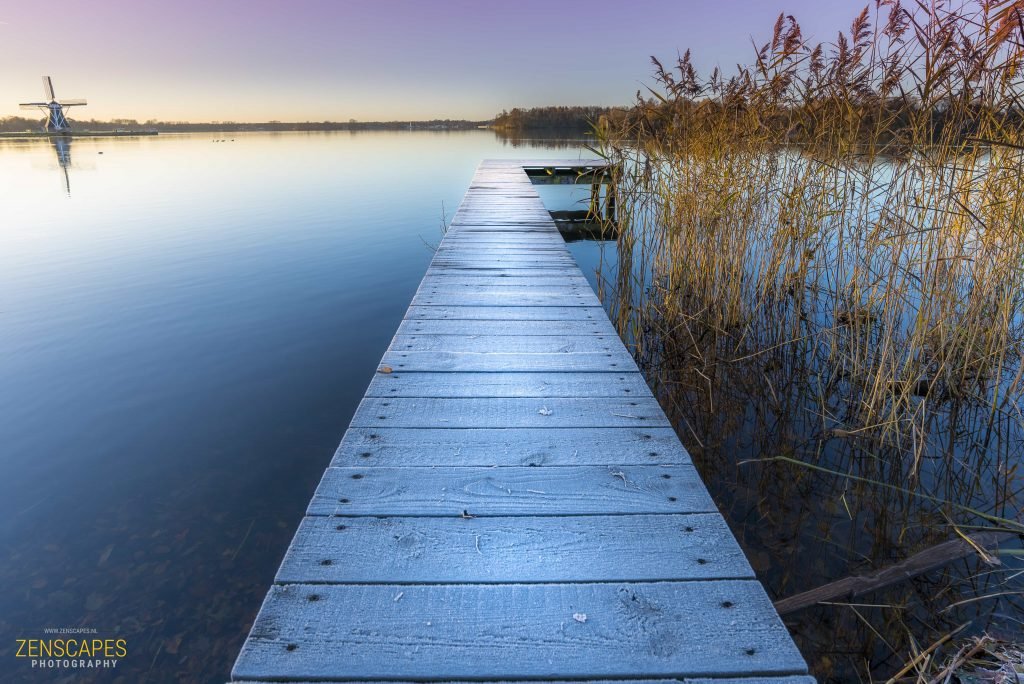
(62, 146)
(766, 372)
(183, 342)
(555, 140)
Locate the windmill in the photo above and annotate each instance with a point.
(56, 121)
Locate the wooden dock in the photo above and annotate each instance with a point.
(510, 502)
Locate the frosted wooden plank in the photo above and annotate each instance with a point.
(664, 629)
(457, 282)
(512, 550)
(482, 226)
(531, 344)
(510, 446)
(501, 261)
(502, 255)
(502, 290)
(546, 241)
(495, 362)
(554, 412)
(499, 255)
(510, 209)
(528, 244)
(474, 251)
(502, 220)
(459, 236)
(544, 385)
(498, 272)
(513, 490)
(493, 203)
(506, 299)
(499, 292)
(796, 679)
(507, 313)
(537, 232)
(542, 228)
(465, 244)
(467, 247)
(522, 328)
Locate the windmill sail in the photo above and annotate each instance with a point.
(56, 119)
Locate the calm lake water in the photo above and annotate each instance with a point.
(187, 323)
(186, 327)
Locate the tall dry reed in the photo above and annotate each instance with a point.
(828, 246)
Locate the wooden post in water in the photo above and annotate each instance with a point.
(594, 212)
(609, 205)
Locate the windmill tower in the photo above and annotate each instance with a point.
(56, 121)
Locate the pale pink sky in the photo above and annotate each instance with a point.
(299, 60)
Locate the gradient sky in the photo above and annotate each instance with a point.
(299, 60)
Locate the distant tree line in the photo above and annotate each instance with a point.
(17, 124)
(562, 119)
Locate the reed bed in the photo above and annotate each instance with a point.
(821, 269)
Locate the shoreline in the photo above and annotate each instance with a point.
(75, 134)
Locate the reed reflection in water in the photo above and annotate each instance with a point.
(848, 392)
